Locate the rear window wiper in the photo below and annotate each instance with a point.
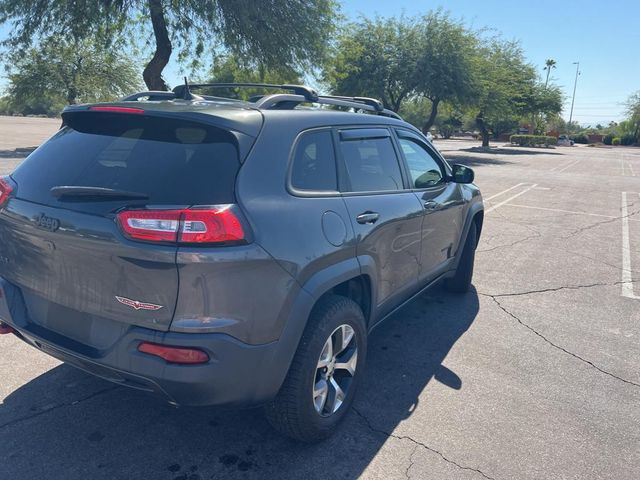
(71, 191)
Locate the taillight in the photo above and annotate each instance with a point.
(5, 329)
(218, 224)
(182, 355)
(5, 190)
(116, 109)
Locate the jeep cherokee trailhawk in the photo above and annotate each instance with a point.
(219, 251)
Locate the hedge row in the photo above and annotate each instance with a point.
(532, 140)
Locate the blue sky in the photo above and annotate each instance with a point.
(603, 36)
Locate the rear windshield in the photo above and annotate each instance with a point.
(173, 162)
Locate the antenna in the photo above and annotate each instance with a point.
(186, 94)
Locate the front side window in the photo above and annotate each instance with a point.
(424, 169)
(371, 164)
(314, 164)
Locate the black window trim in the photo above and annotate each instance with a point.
(344, 185)
(442, 163)
(298, 192)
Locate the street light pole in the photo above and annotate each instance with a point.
(575, 84)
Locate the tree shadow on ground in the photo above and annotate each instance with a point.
(17, 153)
(473, 161)
(511, 151)
(68, 425)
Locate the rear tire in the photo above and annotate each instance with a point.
(461, 280)
(300, 410)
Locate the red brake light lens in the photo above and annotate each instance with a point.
(5, 190)
(181, 355)
(116, 109)
(5, 329)
(211, 226)
(190, 226)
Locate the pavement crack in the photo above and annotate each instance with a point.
(507, 245)
(554, 289)
(411, 462)
(56, 407)
(417, 444)
(597, 224)
(576, 356)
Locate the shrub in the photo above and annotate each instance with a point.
(581, 138)
(615, 141)
(608, 138)
(627, 139)
(532, 140)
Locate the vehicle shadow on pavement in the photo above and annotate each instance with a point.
(17, 152)
(66, 424)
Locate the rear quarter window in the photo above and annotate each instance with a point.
(174, 162)
(314, 163)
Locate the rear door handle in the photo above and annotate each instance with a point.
(368, 218)
(431, 205)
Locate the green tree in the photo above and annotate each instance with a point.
(375, 58)
(399, 60)
(278, 32)
(508, 88)
(444, 71)
(58, 72)
(633, 112)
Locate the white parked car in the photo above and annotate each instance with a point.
(564, 141)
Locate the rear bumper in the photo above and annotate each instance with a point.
(236, 374)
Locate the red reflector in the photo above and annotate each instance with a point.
(181, 355)
(5, 329)
(190, 226)
(117, 109)
(5, 190)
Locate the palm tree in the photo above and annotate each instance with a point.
(549, 64)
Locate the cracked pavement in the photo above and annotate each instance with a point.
(534, 374)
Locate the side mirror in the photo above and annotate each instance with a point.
(462, 174)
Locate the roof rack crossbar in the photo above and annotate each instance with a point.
(360, 103)
(308, 93)
(374, 102)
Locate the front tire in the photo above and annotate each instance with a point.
(461, 280)
(324, 375)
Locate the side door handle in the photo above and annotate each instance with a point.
(431, 205)
(367, 217)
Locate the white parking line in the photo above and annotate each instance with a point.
(491, 209)
(502, 192)
(559, 210)
(627, 281)
(566, 167)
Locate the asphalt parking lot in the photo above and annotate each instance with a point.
(533, 375)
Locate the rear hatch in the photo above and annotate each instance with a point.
(62, 242)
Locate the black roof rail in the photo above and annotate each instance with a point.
(152, 94)
(283, 101)
(308, 93)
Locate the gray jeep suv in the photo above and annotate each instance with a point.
(225, 252)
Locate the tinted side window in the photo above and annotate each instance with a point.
(372, 165)
(314, 163)
(424, 169)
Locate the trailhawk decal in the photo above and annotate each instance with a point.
(138, 305)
